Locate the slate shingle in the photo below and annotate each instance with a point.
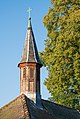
(30, 52)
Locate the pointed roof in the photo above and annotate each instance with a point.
(30, 52)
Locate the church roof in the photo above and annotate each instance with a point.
(24, 108)
(30, 52)
(59, 111)
(16, 109)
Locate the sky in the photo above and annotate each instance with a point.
(13, 27)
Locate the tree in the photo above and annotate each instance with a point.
(61, 55)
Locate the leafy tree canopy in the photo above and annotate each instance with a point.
(61, 55)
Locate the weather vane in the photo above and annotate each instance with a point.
(29, 11)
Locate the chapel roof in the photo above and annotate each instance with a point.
(23, 108)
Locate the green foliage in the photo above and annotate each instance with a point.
(61, 55)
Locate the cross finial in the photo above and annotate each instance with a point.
(29, 11)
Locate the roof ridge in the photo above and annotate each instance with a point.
(59, 105)
(25, 107)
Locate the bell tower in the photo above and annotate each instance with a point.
(30, 65)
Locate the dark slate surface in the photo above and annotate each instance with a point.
(30, 52)
(39, 113)
(60, 112)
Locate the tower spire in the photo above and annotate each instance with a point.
(30, 65)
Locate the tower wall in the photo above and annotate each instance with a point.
(30, 80)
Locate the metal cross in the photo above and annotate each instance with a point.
(29, 11)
